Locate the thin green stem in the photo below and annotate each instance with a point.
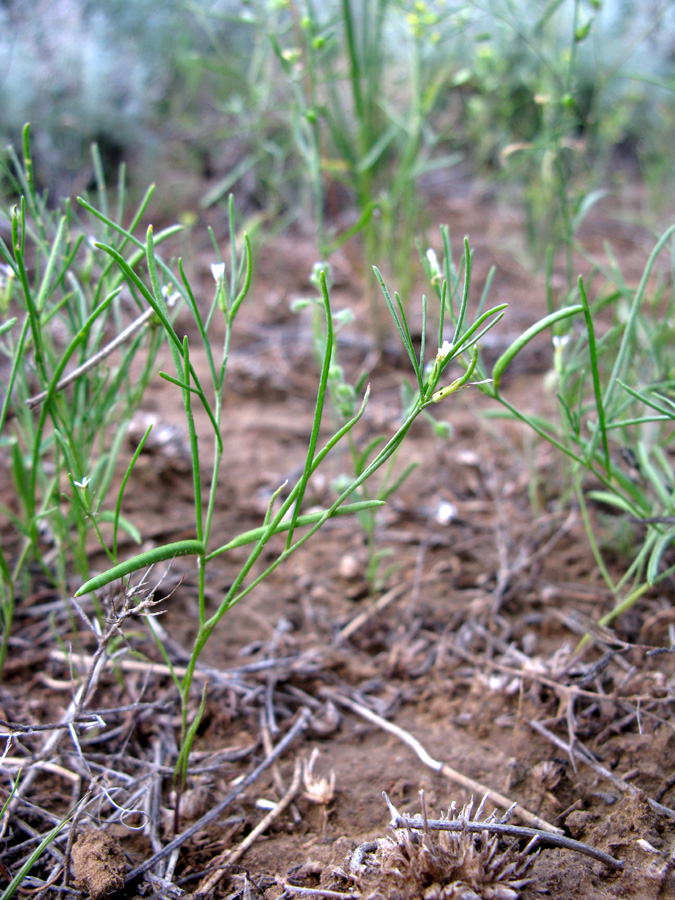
(595, 372)
(320, 401)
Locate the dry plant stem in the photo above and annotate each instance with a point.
(19, 762)
(229, 678)
(525, 560)
(95, 359)
(93, 669)
(153, 798)
(276, 774)
(359, 621)
(268, 747)
(535, 835)
(566, 690)
(441, 767)
(359, 855)
(51, 848)
(229, 857)
(586, 757)
(411, 607)
(317, 892)
(298, 727)
(74, 710)
(72, 833)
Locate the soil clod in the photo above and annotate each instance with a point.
(98, 864)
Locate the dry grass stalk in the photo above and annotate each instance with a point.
(577, 751)
(360, 620)
(215, 812)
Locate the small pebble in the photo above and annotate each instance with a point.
(349, 567)
(446, 512)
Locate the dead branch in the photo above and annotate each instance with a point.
(73, 712)
(319, 892)
(94, 360)
(536, 836)
(231, 678)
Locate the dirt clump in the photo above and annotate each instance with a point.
(98, 864)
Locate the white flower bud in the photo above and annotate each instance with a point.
(444, 351)
(218, 272)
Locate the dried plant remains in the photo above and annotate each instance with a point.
(317, 788)
(443, 865)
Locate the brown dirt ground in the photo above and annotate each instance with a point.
(477, 642)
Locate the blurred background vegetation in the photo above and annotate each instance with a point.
(317, 107)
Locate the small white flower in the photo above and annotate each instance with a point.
(433, 260)
(560, 341)
(444, 351)
(218, 272)
(84, 484)
(169, 296)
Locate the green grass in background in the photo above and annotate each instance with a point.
(301, 107)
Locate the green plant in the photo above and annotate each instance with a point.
(343, 398)
(233, 108)
(614, 383)
(282, 518)
(528, 95)
(548, 96)
(62, 307)
(362, 84)
(385, 125)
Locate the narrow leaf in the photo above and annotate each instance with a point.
(142, 561)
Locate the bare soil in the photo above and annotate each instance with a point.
(472, 652)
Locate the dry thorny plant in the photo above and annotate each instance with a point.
(456, 857)
(441, 864)
(118, 768)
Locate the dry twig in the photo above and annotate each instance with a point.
(94, 360)
(359, 621)
(228, 857)
(299, 726)
(319, 892)
(536, 836)
(230, 679)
